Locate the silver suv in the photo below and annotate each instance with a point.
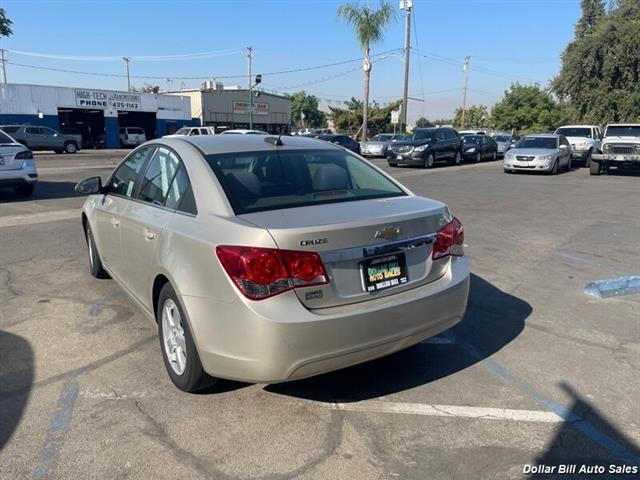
(42, 138)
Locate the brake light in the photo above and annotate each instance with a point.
(449, 240)
(263, 272)
(24, 155)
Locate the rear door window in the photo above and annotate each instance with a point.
(33, 130)
(273, 180)
(10, 129)
(156, 180)
(180, 195)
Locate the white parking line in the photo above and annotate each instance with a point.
(486, 413)
(44, 217)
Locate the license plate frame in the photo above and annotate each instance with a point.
(382, 273)
(399, 157)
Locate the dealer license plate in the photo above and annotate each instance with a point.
(398, 157)
(384, 272)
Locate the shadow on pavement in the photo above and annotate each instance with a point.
(16, 355)
(493, 319)
(589, 439)
(45, 190)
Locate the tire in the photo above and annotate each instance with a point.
(184, 366)
(587, 160)
(95, 264)
(393, 164)
(25, 190)
(506, 170)
(428, 162)
(554, 170)
(494, 157)
(478, 157)
(458, 159)
(70, 147)
(569, 165)
(594, 168)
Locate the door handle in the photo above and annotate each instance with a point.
(148, 234)
(115, 223)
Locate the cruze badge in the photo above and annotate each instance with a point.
(315, 241)
(388, 233)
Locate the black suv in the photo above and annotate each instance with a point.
(426, 146)
(342, 140)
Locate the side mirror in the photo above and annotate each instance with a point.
(89, 186)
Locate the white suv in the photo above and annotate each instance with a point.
(132, 136)
(584, 139)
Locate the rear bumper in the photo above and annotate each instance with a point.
(279, 340)
(17, 178)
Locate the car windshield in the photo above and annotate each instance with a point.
(4, 138)
(183, 131)
(475, 139)
(382, 137)
(502, 138)
(574, 132)
(538, 142)
(623, 131)
(268, 180)
(423, 135)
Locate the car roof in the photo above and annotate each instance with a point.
(216, 144)
(623, 125)
(543, 135)
(578, 126)
(243, 130)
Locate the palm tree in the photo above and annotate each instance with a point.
(369, 25)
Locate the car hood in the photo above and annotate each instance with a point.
(628, 139)
(579, 139)
(413, 143)
(470, 145)
(533, 151)
(374, 143)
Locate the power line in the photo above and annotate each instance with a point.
(95, 58)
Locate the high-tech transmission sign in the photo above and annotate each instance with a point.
(106, 99)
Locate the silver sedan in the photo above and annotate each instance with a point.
(269, 259)
(539, 153)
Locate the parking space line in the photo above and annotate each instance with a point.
(486, 413)
(43, 217)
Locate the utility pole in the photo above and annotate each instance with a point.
(406, 5)
(249, 59)
(126, 61)
(4, 66)
(466, 84)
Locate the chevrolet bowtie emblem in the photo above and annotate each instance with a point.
(388, 233)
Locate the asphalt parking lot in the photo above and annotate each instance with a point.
(536, 373)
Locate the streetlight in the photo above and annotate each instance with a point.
(258, 80)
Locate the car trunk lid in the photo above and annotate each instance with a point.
(370, 248)
(7, 156)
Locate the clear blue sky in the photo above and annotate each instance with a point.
(508, 40)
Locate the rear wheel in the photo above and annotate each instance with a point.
(70, 147)
(25, 190)
(478, 157)
(95, 264)
(178, 347)
(428, 162)
(457, 159)
(594, 168)
(494, 156)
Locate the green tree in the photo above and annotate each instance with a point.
(5, 24)
(423, 122)
(349, 119)
(369, 25)
(600, 74)
(475, 116)
(301, 103)
(527, 108)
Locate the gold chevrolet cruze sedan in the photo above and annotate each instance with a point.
(268, 259)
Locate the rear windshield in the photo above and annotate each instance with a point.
(183, 131)
(423, 135)
(4, 138)
(619, 131)
(574, 132)
(10, 129)
(538, 142)
(502, 138)
(260, 181)
(475, 139)
(383, 137)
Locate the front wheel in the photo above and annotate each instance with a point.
(478, 157)
(587, 161)
(554, 169)
(494, 157)
(178, 347)
(428, 162)
(95, 264)
(458, 158)
(594, 168)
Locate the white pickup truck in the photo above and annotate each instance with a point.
(620, 148)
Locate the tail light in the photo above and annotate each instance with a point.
(263, 272)
(24, 155)
(449, 240)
